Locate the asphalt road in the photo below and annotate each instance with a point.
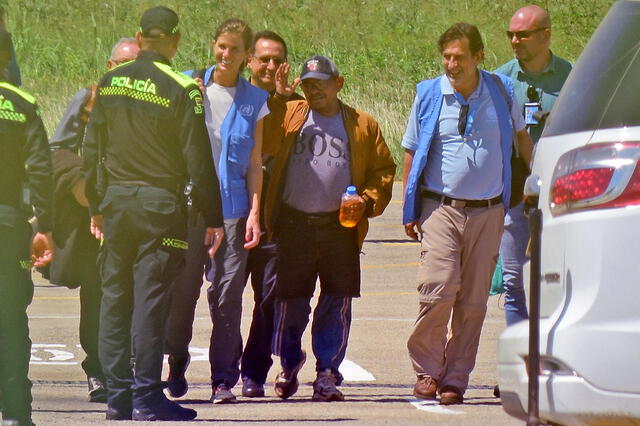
(379, 378)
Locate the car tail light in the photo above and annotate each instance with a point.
(597, 176)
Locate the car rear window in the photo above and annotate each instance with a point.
(603, 90)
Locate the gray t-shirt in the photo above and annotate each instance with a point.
(319, 165)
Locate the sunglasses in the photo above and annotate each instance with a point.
(266, 59)
(462, 119)
(532, 94)
(524, 34)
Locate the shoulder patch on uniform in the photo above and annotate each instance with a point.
(20, 92)
(182, 79)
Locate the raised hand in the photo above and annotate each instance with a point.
(283, 88)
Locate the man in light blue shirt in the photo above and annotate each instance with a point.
(457, 178)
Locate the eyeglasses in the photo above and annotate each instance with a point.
(524, 34)
(462, 119)
(266, 59)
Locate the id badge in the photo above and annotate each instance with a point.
(531, 108)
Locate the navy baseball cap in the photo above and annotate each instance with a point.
(319, 67)
(159, 18)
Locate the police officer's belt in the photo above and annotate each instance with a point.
(454, 202)
(169, 185)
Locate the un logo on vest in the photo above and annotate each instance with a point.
(246, 110)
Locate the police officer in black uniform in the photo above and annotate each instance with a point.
(24, 164)
(146, 138)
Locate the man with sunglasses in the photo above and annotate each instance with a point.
(268, 53)
(537, 75)
(457, 173)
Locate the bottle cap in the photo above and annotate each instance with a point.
(351, 190)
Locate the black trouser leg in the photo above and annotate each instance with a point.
(90, 300)
(115, 314)
(256, 358)
(16, 292)
(144, 233)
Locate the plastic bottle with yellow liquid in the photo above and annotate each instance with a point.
(350, 208)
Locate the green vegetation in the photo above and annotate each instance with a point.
(383, 47)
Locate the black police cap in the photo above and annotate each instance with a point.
(161, 19)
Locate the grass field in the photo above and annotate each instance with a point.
(382, 47)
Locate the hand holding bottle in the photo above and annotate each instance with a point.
(352, 208)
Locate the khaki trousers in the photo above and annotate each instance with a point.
(459, 254)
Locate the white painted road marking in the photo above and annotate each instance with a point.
(354, 373)
(433, 407)
(59, 357)
(56, 354)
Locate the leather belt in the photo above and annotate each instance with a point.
(174, 188)
(457, 203)
(311, 219)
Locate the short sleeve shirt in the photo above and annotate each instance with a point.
(548, 84)
(465, 166)
(319, 168)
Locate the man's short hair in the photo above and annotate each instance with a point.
(123, 40)
(458, 32)
(269, 35)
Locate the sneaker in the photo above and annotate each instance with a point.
(251, 388)
(177, 383)
(222, 395)
(287, 380)
(97, 391)
(324, 387)
(166, 410)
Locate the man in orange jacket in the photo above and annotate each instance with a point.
(321, 147)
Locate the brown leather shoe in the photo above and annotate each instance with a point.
(425, 388)
(450, 395)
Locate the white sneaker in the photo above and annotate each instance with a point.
(324, 387)
(222, 395)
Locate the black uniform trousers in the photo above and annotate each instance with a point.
(90, 296)
(16, 292)
(261, 266)
(144, 230)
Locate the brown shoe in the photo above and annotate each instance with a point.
(425, 388)
(450, 395)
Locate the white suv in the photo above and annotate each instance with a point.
(587, 162)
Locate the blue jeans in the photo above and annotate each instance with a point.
(512, 251)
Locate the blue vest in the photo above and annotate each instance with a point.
(430, 102)
(237, 132)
